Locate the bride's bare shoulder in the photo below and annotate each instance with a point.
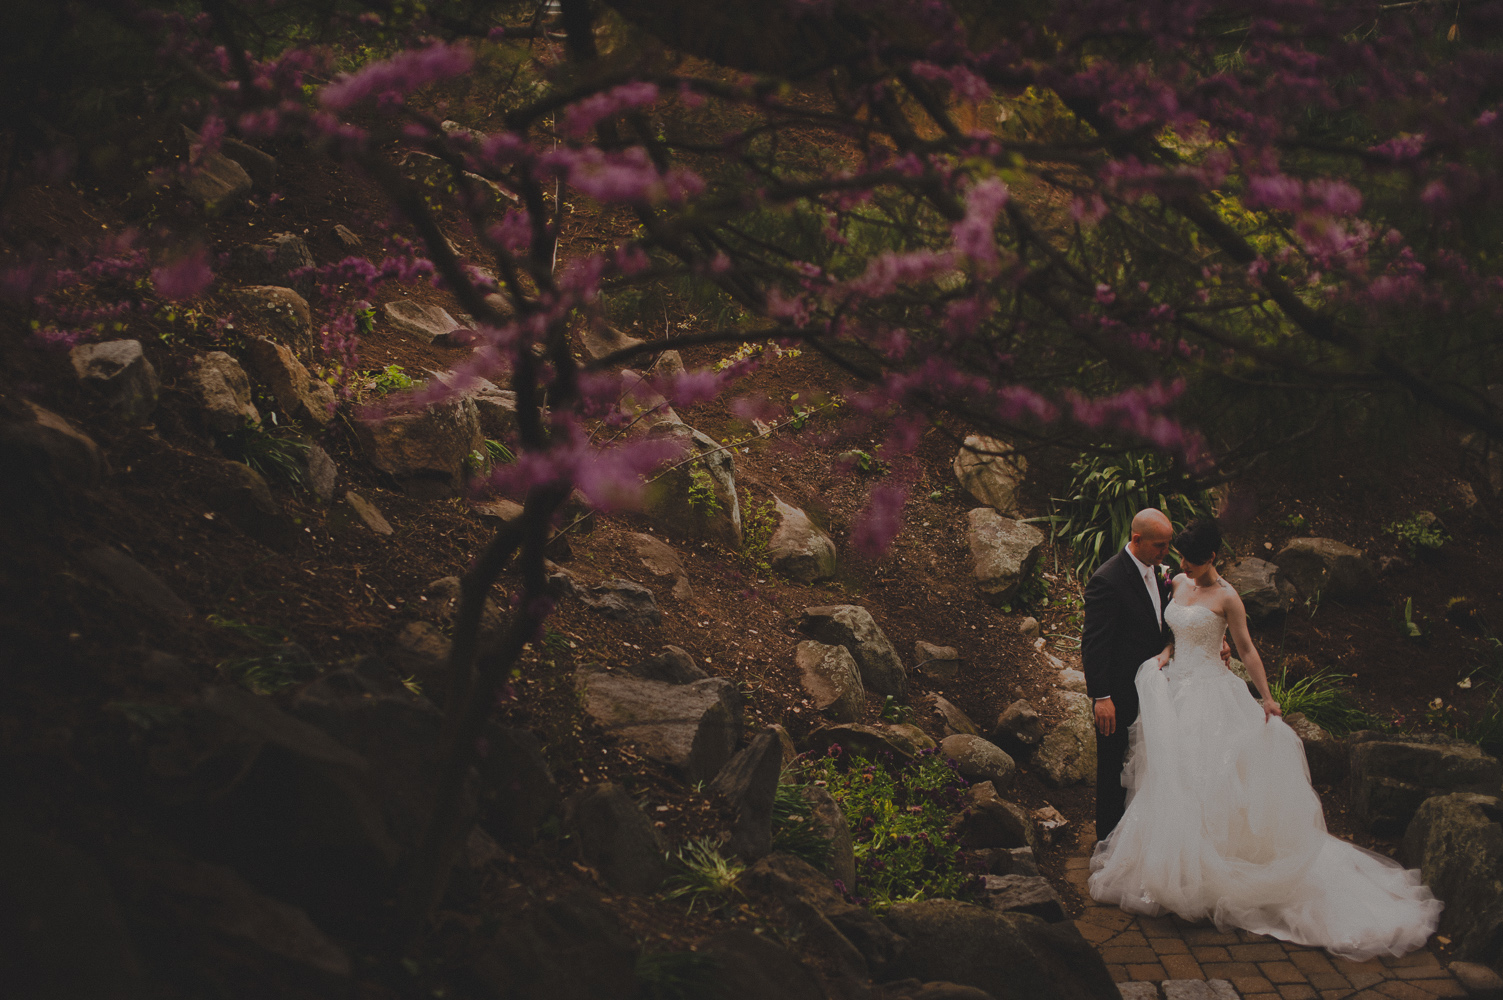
(1228, 598)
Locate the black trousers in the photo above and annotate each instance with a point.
(1111, 797)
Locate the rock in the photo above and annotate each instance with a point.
(832, 680)
(912, 989)
(696, 498)
(433, 173)
(368, 513)
(345, 237)
(749, 966)
(600, 339)
(1070, 679)
(1019, 725)
(1003, 553)
(1480, 982)
(274, 263)
(44, 454)
(216, 182)
(221, 936)
(622, 600)
(421, 653)
(1326, 567)
(615, 838)
(118, 371)
(1390, 778)
(64, 935)
(134, 583)
(1197, 989)
(1029, 627)
(1067, 754)
(563, 945)
(659, 559)
(798, 549)
(790, 752)
(910, 737)
(1265, 593)
(1007, 860)
(668, 364)
(693, 727)
(951, 719)
(853, 627)
(223, 391)
(428, 324)
(1012, 956)
(517, 788)
(1456, 841)
(940, 663)
(164, 671)
(641, 405)
(993, 479)
(276, 313)
(991, 821)
(979, 760)
(262, 167)
(1326, 755)
(870, 742)
(748, 781)
(444, 594)
(1051, 825)
(498, 413)
(829, 820)
(424, 451)
(1485, 459)
(672, 666)
(240, 493)
(850, 934)
(1030, 894)
(298, 393)
(321, 473)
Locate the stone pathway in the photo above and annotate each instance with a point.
(1174, 959)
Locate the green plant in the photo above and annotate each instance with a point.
(758, 522)
(864, 461)
(1293, 522)
(268, 671)
(268, 454)
(702, 495)
(263, 634)
(1420, 534)
(365, 324)
(794, 830)
(1324, 700)
(679, 975)
(1032, 592)
(390, 379)
(1487, 729)
(892, 711)
(1408, 627)
(1095, 516)
(899, 814)
(704, 876)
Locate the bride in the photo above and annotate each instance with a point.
(1221, 820)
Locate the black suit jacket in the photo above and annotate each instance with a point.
(1121, 631)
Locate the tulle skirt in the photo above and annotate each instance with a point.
(1222, 823)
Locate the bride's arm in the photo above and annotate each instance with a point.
(1236, 622)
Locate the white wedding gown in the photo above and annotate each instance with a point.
(1222, 823)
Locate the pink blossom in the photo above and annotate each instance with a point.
(1105, 295)
(973, 234)
(391, 80)
(889, 270)
(881, 520)
(185, 277)
(689, 388)
(1279, 192)
(581, 117)
(965, 83)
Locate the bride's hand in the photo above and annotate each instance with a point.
(1163, 660)
(1271, 707)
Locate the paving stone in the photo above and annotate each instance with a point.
(1423, 972)
(1130, 938)
(1077, 863)
(1169, 946)
(1415, 959)
(1335, 994)
(1310, 962)
(1158, 927)
(1211, 953)
(1113, 955)
(1153, 971)
(1138, 991)
(1297, 991)
(1328, 981)
(1229, 970)
(1210, 935)
(1248, 937)
(1368, 995)
(1113, 918)
(1198, 989)
(1094, 933)
(1442, 987)
(1253, 984)
(1402, 991)
(1281, 972)
(1257, 953)
(1261, 996)
(1118, 973)
(1181, 967)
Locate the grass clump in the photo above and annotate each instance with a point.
(1324, 700)
(704, 876)
(794, 830)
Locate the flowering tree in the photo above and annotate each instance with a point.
(1208, 227)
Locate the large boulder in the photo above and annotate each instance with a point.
(424, 322)
(830, 677)
(1019, 728)
(1265, 593)
(936, 663)
(1032, 894)
(118, 372)
(261, 166)
(751, 967)
(698, 497)
(240, 493)
(660, 559)
(297, 392)
(671, 665)
(871, 742)
(1327, 568)
(1003, 553)
(425, 451)
(693, 728)
(223, 391)
(275, 313)
(854, 628)
(642, 406)
(799, 549)
(1326, 755)
(829, 820)
(615, 838)
(1067, 754)
(749, 781)
(274, 263)
(45, 454)
(980, 760)
(213, 180)
(948, 716)
(622, 601)
(517, 788)
(1012, 956)
(1390, 778)
(1456, 841)
(134, 583)
(560, 945)
(990, 821)
(991, 471)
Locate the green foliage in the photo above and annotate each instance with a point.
(1324, 699)
(1408, 627)
(1034, 592)
(864, 461)
(390, 379)
(794, 830)
(268, 671)
(1095, 516)
(1420, 534)
(260, 633)
(704, 876)
(1292, 522)
(899, 814)
(679, 975)
(702, 495)
(365, 325)
(758, 523)
(892, 711)
(272, 456)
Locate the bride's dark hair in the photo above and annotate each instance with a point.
(1199, 540)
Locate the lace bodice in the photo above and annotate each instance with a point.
(1197, 631)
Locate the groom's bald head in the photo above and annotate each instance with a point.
(1151, 534)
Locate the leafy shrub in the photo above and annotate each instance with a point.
(272, 456)
(702, 495)
(1034, 592)
(1420, 534)
(390, 379)
(704, 876)
(1324, 699)
(794, 830)
(1095, 516)
(758, 523)
(900, 825)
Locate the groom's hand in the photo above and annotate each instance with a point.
(1106, 716)
(1226, 655)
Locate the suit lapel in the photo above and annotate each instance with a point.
(1132, 580)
